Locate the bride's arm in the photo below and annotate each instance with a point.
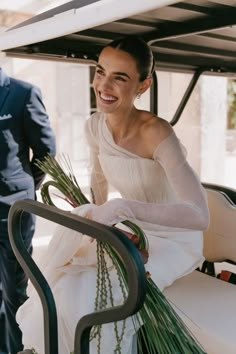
(189, 211)
(98, 182)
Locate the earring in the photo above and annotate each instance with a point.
(138, 95)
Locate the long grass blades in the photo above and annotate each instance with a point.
(159, 328)
(65, 183)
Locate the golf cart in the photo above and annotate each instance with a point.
(197, 37)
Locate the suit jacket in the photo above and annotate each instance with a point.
(25, 135)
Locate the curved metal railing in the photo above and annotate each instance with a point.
(115, 238)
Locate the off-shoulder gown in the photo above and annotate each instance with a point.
(70, 261)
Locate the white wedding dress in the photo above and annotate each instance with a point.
(70, 262)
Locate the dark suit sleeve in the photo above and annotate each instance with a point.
(38, 130)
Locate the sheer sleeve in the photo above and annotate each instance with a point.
(98, 183)
(189, 211)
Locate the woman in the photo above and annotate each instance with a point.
(138, 154)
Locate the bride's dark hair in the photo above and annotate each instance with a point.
(140, 51)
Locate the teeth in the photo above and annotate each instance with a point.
(107, 98)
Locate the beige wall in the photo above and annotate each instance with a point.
(202, 126)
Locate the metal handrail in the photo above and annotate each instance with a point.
(186, 96)
(133, 263)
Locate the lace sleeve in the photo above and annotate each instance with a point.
(189, 211)
(98, 182)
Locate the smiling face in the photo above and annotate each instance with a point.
(116, 81)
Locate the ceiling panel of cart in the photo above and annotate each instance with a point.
(184, 36)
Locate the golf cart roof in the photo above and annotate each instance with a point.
(184, 35)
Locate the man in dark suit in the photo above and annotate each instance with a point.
(25, 135)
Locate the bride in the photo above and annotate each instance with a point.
(140, 155)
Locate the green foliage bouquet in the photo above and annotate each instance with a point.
(159, 326)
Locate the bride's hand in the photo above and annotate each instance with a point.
(109, 213)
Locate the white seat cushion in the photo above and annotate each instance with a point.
(208, 307)
(219, 239)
